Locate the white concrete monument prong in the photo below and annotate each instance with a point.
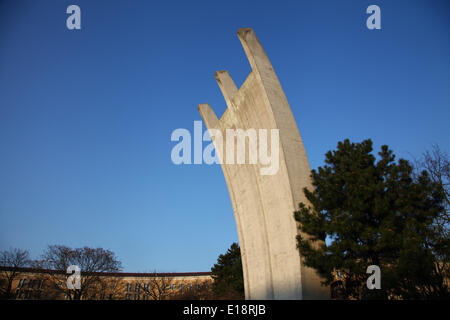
(264, 205)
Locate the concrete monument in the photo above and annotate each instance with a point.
(264, 204)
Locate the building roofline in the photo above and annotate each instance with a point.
(110, 274)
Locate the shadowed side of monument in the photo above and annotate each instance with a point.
(264, 204)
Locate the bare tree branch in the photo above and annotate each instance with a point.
(90, 260)
(14, 259)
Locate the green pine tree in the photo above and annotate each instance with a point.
(373, 213)
(227, 274)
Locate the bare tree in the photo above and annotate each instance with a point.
(196, 290)
(91, 261)
(158, 287)
(12, 261)
(109, 288)
(437, 164)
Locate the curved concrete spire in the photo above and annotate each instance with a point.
(264, 205)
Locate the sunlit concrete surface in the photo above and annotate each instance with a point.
(264, 204)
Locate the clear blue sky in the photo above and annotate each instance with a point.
(86, 116)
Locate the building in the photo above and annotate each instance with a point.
(31, 284)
